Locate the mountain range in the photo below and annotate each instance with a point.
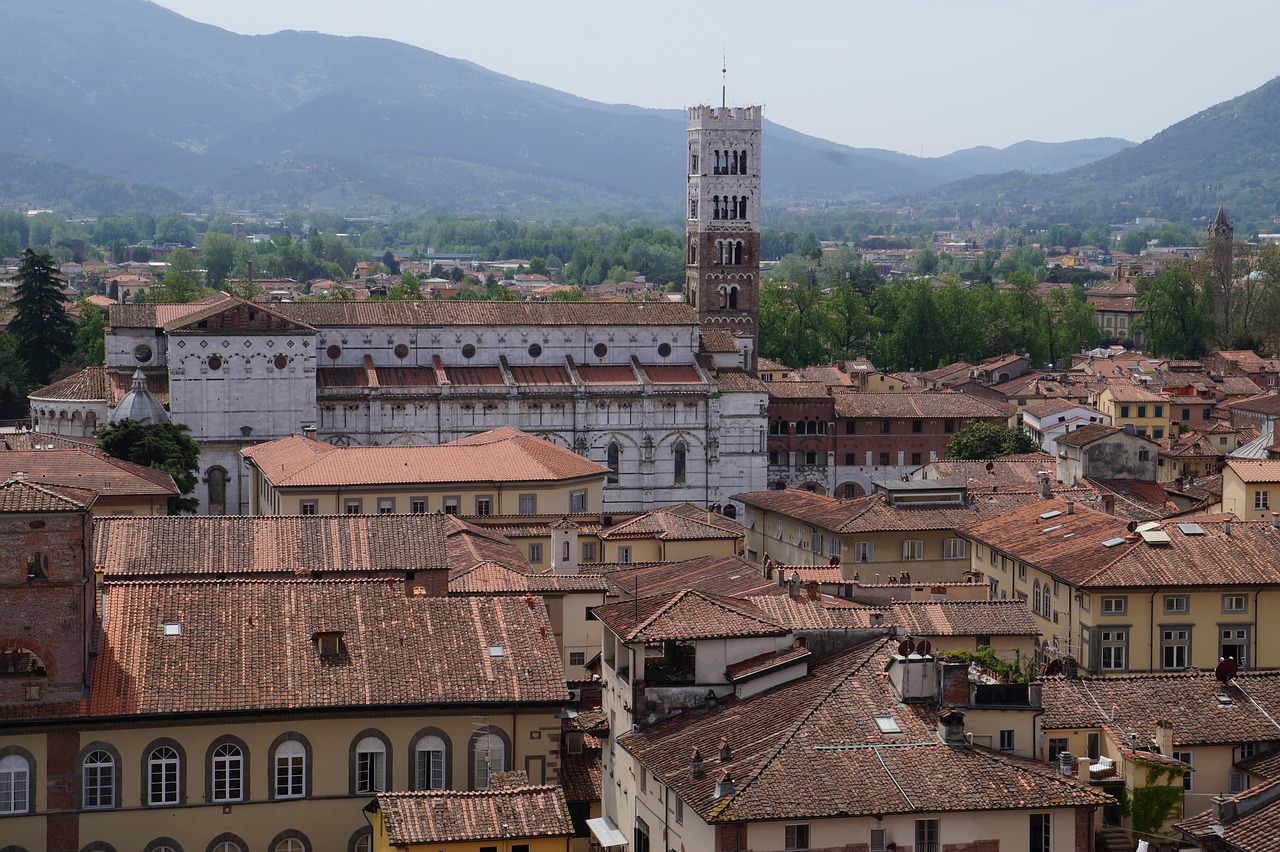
(122, 103)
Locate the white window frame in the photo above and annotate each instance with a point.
(535, 553)
(577, 501)
(429, 756)
(371, 766)
(386, 505)
(1177, 640)
(1235, 603)
(307, 507)
(1113, 640)
(227, 773)
(529, 504)
(953, 548)
(483, 752)
(418, 505)
(1188, 780)
(15, 784)
(913, 550)
(1177, 603)
(484, 505)
(98, 781)
(1261, 499)
(1115, 605)
(1041, 839)
(864, 551)
(796, 837)
(289, 770)
(164, 776)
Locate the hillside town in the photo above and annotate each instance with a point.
(597, 574)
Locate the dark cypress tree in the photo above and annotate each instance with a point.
(44, 333)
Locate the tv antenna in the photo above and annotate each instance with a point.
(724, 78)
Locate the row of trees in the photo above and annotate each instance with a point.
(841, 308)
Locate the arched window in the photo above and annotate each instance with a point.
(371, 765)
(613, 458)
(290, 770)
(164, 768)
(1035, 597)
(719, 251)
(37, 566)
(361, 841)
(289, 844)
(99, 780)
(429, 761)
(733, 299)
(742, 162)
(737, 253)
(227, 846)
(565, 552)
(488, 755)
(724, 207)
(681, 462)
(15, 784)
(715, 207)
(733, 168)
(730, 511)
(217, 479)
(227, 767)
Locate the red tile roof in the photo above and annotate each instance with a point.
(665, 525)
(28, 440)
(607, 375)
(1255, 470)
(452, 816)
(673, 374)
(962, 618)
(945, 404)
(1261, 404)
(88, 385)
(718, 575)
(1087, 434)
(268, 544)
(739, 381)
(1246, 822)
(787, 744)
(248, 645)
(541, 376)
(717, 340)
(453, 313)
(687, 614)
(500, 455)
(873, 514)
(793, 389)
(92, 471)
(18, 495)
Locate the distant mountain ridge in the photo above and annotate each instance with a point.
(144, 96)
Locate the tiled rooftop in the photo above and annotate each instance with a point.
(248, 645)
(788, 743)
(1250, 470)
(686, 615)
(739, 381)
(22, 496)
(1087, 435)
(268, 544)
(452, 816)
(873, 514)
(962, 618)
(88, 385)
(731, 576)
(669, 526)
(500, 455)
(93, 471)
(1256, 828)
(930, 404)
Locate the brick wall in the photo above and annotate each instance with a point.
(62, 826)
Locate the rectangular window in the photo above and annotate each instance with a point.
(484, 505)
(624, 554)
(884, 459)
(864, 551)
(816, 542)
(1022, 571)
(1175, 603)
(1262, 499)
(642, 836)
(948, 426)
(927, 836)
(1159, 409)
(1124, 411)
(644, 780)
(291, 759)
(1175, 647)
(577, 658)
(953, 548)
(371, 771)
(418, 505)
(1057, 745)
(578, 501)
(1186, 414)
(1248, 750)
(1142, 411)
(528, 504)
(884, 427)
(1234, 603)
(912, 550)
(777, 533)
(917, 426)
(1185, 757)
(307, 507)
(915, 459)
(1144, 455)
(1115, 606)
(1006, 740)
(877, 840)
(588, 551)
(848, 459)
(1235, 782)
(452, 505)
(1234, 643)
(353, 506)
(993, 556)
(797, 837)
(850, 428)
(834, 548)
(1113, 650)
(1157, 432)
(679, 810)
(535, 554)
(1041, 833)
(386, 505)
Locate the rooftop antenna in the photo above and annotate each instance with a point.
(724, 79)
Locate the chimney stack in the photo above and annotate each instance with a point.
(1043, 485)
(1275, 520)
(793, 586)
(724, 787)
(1066, 764)
(1071, 507)
(726, 754)
(1164, 737)
(1226, 529)
(951, 726)
(1109, 504)
(695, 764)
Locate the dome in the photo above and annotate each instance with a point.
(140, 404)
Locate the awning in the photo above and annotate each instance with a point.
(606, 833)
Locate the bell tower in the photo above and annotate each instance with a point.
(722, 251)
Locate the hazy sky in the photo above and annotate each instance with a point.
(907, 75)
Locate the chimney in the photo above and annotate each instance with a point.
(1084, 767)
(1066, 764)
(1164, 737)
(726, 754)
(1226, 529)
(724, 787)
(1275, 520)
(1043, 484)
(1071, 507)
(811, 590)
(309, 431)
(951, 726)
(1109, 504)
(695, 764)
(793, 586)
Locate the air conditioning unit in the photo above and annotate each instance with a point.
(575, 696)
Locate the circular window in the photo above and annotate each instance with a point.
(333, 351)
(601, 350)
(142, 352)
(664, 349)
(469, 351)
(215, 362)
(281, 361)
(401, 350)
(535, 350)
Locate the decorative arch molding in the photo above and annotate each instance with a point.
(46, 656)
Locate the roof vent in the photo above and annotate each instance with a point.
(497, 651)
(1191, 529)
(172, 628)
(726, 754)
(724, 787)
(695, 764)
(1112, 542)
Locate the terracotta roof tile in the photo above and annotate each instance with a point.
(687, 614)
(548, 376)
(580, 774)
(248, 645)
(88, 385)
(1125, 391)
(500, 455)
(795, 389)
(717, 340)
(158, 316)
(18, 495)
(607, 375)
(673, 374)
(669, 526)
(1255, 826)
(718, 575)
(450, 816)
(789, 742)
(962, 618)
(761, 663)
(264, 544)
(468, 544)
(873, 514)
(451, 313)
(28, 440)
(88, 470)
(805, 614)
(1255, 470)
(1262, 404)
(739, 381)
(1088, 434)
(929, 404)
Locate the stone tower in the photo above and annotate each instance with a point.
(722, 262)
(1220, 227)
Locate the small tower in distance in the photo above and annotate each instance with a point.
(722, 251)
(1220, 227)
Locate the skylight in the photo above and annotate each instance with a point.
(1148, 525)
(887, 725)
(1047, 515)
(1191, 529)
(172, 628)
(497, 651)
(1155, 537)
(1112, 542)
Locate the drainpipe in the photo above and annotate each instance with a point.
(1151, 636)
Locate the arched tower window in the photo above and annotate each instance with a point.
(737, 253)
(715, 207)
(681, 463)
(733, 299)
(733, 169)
(719, 251)
(37, 566)
(742, 161)
(613, 455)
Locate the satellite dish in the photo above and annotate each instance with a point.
(991, 465)
(1131, 526)
(904, 647)
(1226, 669)
(923, 648)
(1054, 667)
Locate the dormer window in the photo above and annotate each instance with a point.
(329, 644)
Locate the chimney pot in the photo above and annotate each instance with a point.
(724, 787)
(1275, 520)
(695, 764)
(726, 754)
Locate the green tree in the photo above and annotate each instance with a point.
(175, 229)
(91, 336)
(927, 262)
(163, 446)
(981, 440)
(218, 253)
(1177, 316)
(409, 287)
(14, 385)
(794, 324)
(41, 328)
(180, 283)
(574, 294)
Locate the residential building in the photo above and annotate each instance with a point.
(1106, 452)
(1244, 822)
(670, 536)
(1128, 404)
(513, 819)
(1164, 597)
(123, 488)
(1251, 488)
(1048, 420)
(499, 472)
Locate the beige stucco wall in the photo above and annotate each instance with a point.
(552, 497)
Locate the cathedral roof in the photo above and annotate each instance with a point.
(140, 404)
